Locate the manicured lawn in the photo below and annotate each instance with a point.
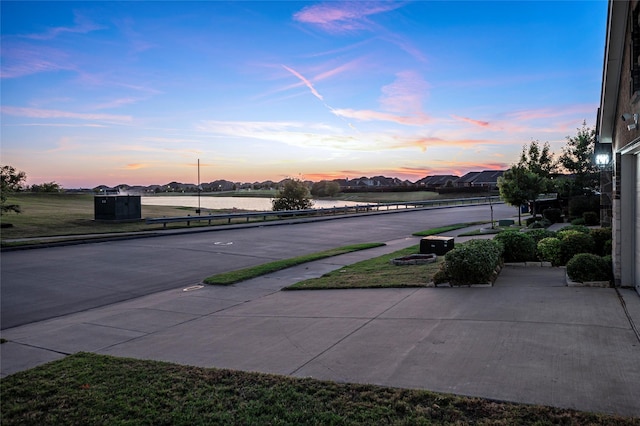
(88, 389)
(378, 272)
(373, 273)
(70, 214)
(442, 229)
(232, 277)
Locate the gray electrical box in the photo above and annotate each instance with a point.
(436, 244)
(117, 207)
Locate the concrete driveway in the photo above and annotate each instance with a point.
(529, 338)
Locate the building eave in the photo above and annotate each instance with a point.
(613, 56)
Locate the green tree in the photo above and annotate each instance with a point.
(538, 160)
(12, 181)
(576, 159)
(294, 195)
(46, 187)
(325, 188)
(520, 186)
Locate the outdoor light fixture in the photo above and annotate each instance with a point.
(602, 160)
(628, 116)
(602, 154)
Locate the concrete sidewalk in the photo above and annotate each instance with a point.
(528, 339)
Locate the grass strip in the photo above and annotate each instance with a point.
(494, 230)
(232, 277)
(98, 389)
(378, 272)
(440, 230)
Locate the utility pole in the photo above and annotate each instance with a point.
(198, 211)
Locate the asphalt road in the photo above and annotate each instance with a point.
(50, 282)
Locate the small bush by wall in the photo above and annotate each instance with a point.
(600, 238)
(532, 219)
(588, 267)
(518, 246)
(583, 203)
(473, 262)
(578, 221)
(591, 218)
(548, 250)
(553, 215)
(575, 243)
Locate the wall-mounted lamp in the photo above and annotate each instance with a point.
(628, 116)
(602, 155)
(602, 160)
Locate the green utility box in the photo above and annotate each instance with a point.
(436, 244)
(117, 207)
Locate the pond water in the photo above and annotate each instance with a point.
(241, 203)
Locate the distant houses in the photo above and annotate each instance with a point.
(472, 181)
(486, 179)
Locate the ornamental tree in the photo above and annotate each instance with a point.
(519, 186)
(294, 195)
(11, 181)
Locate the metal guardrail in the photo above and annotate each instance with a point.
(330, 211)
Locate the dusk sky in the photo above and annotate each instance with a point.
(136, 92)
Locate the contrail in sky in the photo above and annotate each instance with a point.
(305, 81)
(316, 94)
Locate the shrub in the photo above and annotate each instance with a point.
(591, 218)
(578, 221)
(549, 250)
(539, 224)
(473, 262)
(580, 228)
(518, 246)
(588, 267)
(583, 203)
(600, 238)
(561, 234)
(575, 243)
(608, 247)
(532, 219)
(553, 215)
(539, 234)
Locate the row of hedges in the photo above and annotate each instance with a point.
(585, 252)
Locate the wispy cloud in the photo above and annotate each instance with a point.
(401, 102)
(145, 148)
(351, 16)
(305, 81)
(405, 94)
(344, 16)
(478, 123)
(157, 139)
(355, 64)
(22, 59)
(115, 103)
(309, 135)
(369, 115)
(560, 111)
(135, 166)
(82, 25)
(51, 113)
(55, 125)
(64, 144)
